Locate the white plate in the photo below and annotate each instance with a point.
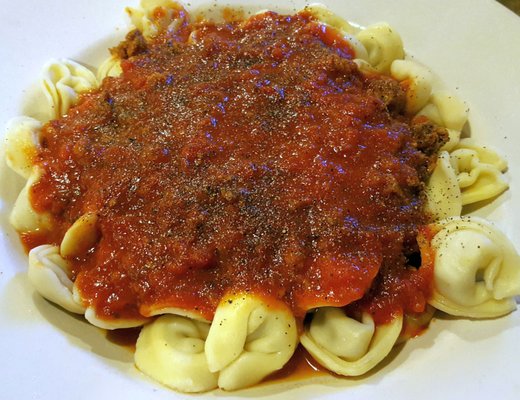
(48, 354)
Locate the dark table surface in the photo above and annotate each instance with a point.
(513, 5)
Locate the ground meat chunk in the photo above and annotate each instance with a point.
(429, 136)
(339, 64)
(211, 176)
(390, 93)
(133, 44)
(429, 139)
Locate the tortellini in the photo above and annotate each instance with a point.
(443, 191)
(417, 81)
(447, 110)
(22, 142)
(415, 323)
(110, 324)
(383, 45)
(153, 311)
(477, 269)
(62, 81)
(470, 173)
(375, 47)
(49, 274)
(365, 67)
(249, 339)
(360, 53)
(322, 13)
(486, 155)
(80, 237)
(347, 346)
(110, 67)
(24, 218)
(478, 171)
(327, 17)
(149, 22)
(171, 350)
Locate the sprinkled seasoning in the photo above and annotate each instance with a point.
(256, 159)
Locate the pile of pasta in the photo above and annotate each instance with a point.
(476, 268)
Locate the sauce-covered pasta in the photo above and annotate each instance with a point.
(243, 187)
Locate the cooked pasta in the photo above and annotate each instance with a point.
(22, 141)
(485, 154)
(62, 81)
(383, 45)
(120, 323)
(80, 237)
(171, 350)
(110, 67)
(50, 275)
(478, 171)
(443, 191)
(346, 346)
(348, 32)
(149, 22)
(228, 259)
(477, 269)
(249, 339)
(418, 81)
(446, 110)
(326, 16)
(24, 218)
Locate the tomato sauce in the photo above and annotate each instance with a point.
(244, 156)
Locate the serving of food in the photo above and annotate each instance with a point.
(257, 191)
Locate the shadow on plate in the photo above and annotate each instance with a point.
(476, 330)
(81, 333)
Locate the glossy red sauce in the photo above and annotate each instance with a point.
(253, 159)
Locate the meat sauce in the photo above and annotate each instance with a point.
(245, 156)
